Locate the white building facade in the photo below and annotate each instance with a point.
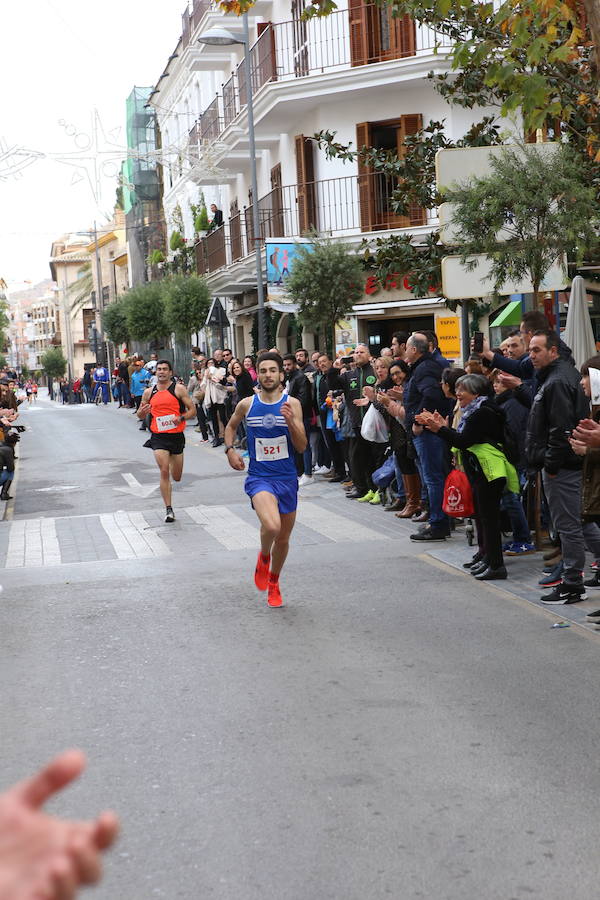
(359, 73)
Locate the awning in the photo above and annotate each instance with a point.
(510, 315)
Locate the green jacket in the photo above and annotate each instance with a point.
(494, 464)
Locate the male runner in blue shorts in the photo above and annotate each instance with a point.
(275, 430)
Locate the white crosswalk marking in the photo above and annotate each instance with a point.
(154, 542)
(233, 532)
(33, 542)
(337, 528)
(130, 536)
(121, 545)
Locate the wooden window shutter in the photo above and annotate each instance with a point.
(366, 184)
(411, 125)
(405, 36)
(305, 177)
(359, 39)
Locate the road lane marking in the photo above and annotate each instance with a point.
(131, 537)
(230, 530)
(337, 528)
(115, 534)
(32, 543)
(153, 540)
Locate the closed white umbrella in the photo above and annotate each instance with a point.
(578, 333)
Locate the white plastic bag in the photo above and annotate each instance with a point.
(374, 427)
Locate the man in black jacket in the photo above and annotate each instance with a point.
(299, 386)
(321, 389)
(558, 406)
(352, 382)
(532, 322)
(424, 392)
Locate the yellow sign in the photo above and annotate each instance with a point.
(447, 329)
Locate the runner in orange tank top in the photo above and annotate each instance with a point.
(169, 406)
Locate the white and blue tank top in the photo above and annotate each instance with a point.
(270, 447)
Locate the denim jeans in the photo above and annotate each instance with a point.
(511, 504)
(433, 459)
(399, 482)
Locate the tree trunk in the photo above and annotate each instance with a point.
(592, 12)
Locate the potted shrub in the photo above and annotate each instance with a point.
(176, 241)
(201, 222)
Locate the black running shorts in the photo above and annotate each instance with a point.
(174, 443)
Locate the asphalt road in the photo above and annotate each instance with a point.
(394, 731)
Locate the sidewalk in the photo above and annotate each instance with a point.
(523, 576)
(523, 572)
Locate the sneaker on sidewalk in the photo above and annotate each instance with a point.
(564, 594)
(274, 594)
(554, 578)
(431, 534)
(594, 616)
(375, 499)
(304, 480)
(594, 581)
(366, 498)
(518, 549)
(169, 514)
(261, 572)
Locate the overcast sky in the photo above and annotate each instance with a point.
(59, 60)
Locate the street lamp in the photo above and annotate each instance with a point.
(220, 37)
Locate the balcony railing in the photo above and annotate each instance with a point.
(191, 18)
(295, 49)
(356, 204)
(211, 252)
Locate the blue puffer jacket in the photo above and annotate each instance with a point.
(424, 390)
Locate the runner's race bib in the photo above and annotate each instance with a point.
(271, 449)
(166, 423)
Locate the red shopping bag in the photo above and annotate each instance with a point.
(458, 497)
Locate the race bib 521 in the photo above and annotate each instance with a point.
(271, 449)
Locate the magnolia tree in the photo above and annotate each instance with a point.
(326, 280)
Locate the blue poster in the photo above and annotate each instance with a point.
(280, 258)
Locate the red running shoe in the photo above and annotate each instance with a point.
(261, 573)
(274, 595)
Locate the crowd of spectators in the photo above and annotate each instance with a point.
(14, 391)
(392, 428)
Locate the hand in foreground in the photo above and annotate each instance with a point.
(361, 401)
(396, 393)
(287, 412)
(43, 857)
(236, 462)
(588, 432)
(433, 421)
(144, 409)
(578, 447)
(369, 393)
(508, 381)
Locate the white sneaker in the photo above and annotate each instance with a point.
(305, 479)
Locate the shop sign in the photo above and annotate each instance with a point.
(345, 336)
(447, 329)
(391, 282)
